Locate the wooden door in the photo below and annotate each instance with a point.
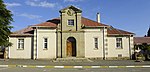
(69, 48)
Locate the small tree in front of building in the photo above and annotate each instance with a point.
(145, 50)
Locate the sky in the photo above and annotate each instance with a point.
(129, 15)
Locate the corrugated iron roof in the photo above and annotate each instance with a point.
(114, 31)
(85, 21)
(141, 40)
(49, 23)
(27, 30)
(90, 23)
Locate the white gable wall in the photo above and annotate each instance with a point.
(90, 50)
(113, 51)
(16, 53)
(50, 52)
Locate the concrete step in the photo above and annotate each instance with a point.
(72, 60)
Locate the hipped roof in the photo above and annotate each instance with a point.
(84, 21)
(141, 40)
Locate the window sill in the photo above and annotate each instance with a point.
(70, 25)
(95, 48)
(20, 49)
(45, 49)
(119, 48)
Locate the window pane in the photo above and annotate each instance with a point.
(119, 42)
(45, 43)
(22, 40)
(118, 45)
(45, 39)
(20, 43)
(96, 42)
(71, 22)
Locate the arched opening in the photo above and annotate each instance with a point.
(71, 47)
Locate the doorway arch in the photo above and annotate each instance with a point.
(71, 47)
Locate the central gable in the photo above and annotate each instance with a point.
(70, 18)
(75, 9)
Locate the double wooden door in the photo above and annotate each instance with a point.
(71, 48)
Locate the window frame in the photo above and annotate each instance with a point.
(70, 22)
(20, 44)
(119, 43)
(45, 43)
(96, 43)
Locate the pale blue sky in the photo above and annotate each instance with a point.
(129, 15)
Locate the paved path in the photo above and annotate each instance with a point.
(69, 66)
(90, 64)
(74, 70)
(67, 63)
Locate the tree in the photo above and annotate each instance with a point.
(5, 21)
(145, 50)
(148, 33)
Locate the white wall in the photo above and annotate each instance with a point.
(113, 51)
(16, 53)
(51, 51)
(90, 51)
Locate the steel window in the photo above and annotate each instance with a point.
(20, 43)
(71, 22)
(96, 43)
(119, 42)
(45, 43)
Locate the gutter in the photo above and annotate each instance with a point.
(93, 26)
(46, 26)
(21, 35)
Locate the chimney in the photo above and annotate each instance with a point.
(98, 17)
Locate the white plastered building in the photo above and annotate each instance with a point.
(70, 35)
